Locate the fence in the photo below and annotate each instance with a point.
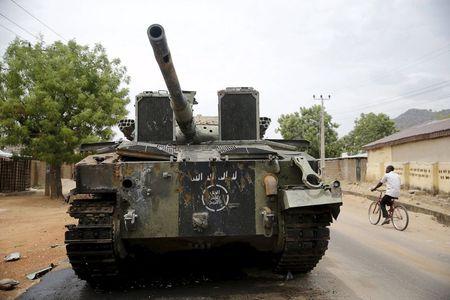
(19, 174)
(14, 174)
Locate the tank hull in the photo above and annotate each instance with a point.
(165, 207)
(195, 199)
(214, 189)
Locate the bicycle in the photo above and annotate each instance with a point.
(397, 213)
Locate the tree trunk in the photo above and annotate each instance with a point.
(52, 182)
(47, 180)
(58, 184)
(55, 181)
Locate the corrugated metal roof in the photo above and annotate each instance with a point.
(359, 155)
(5, 154)
(356, 156)
(429, 130)
(345, 156)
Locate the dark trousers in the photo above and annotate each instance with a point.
(386, 200)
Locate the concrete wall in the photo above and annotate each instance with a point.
(38, 169)
(375, 162)
(422, 165)
(431, 177)
(332, 170)
(444, 177)
(67, 171)
(423, 151)
(345, 169)
(37, 173)
(421, 176)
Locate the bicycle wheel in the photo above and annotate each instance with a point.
(374, 213)
(400, 218)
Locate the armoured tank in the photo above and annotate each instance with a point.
(185, 183)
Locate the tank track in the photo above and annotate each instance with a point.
(305, 239)
(90, 244)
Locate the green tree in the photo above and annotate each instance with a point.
(55, 97)
(305, 124)
(368, 128)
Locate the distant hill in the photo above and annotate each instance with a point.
(414, 116)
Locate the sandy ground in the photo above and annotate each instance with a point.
(31, 225)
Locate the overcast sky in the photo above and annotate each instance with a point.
(380, 56)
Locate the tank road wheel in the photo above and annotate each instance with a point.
(305, 239)
(90, 244)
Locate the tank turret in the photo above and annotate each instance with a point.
(181, 107)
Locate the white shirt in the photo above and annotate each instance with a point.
(392, 181)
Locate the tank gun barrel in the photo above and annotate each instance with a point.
(180, 106)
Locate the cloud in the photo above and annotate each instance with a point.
(288, 50)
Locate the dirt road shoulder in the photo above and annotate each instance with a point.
(34, 226)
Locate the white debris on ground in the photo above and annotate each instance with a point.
(12, 257)
(8, 284)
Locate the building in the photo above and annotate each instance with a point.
(350, 168)
(420, 154)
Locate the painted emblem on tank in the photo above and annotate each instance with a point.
(199, 176)
(215, 198)
(224, 190)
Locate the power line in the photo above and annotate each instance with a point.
(12, 31)
(426, 102)
(412, 93)
(419, 60)
(37, 19)
(398, 105)
(431, 55)
(35, 36)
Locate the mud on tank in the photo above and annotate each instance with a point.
(182, 183)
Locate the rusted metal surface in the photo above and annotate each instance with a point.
(271, 185)
(99, 147)
(92, 245)
(153, 195)
(305, 239)
(96, 174)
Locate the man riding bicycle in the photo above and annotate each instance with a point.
(392, 181)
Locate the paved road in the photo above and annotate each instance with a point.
(378, 262)
(363, 262)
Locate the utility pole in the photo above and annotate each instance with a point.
(322, 134)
